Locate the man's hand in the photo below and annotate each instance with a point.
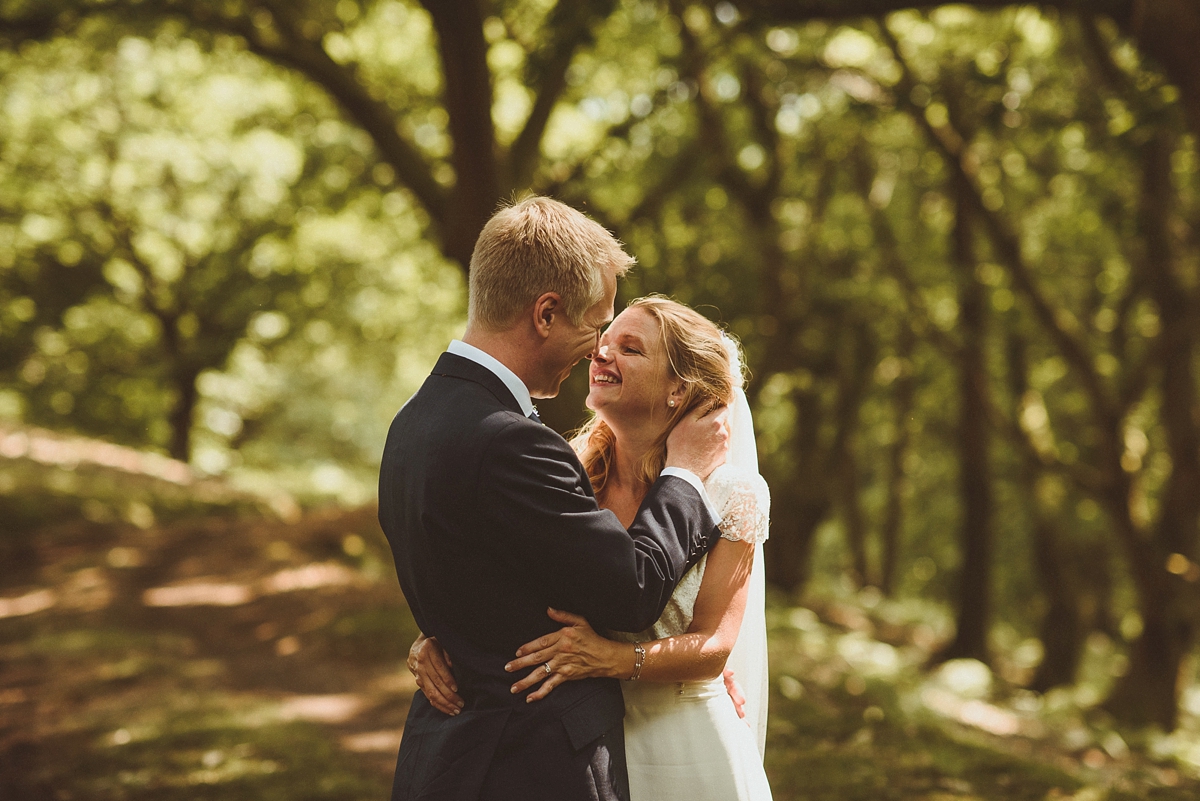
(735, 693)
(431, 665)
(700, 442)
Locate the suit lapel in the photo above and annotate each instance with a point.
(454, 366)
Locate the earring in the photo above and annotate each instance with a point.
(671, 403)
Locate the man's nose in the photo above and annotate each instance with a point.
(595, 346)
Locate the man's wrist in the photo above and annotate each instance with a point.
(697, 484)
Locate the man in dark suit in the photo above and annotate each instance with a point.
(492, 520)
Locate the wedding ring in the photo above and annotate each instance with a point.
(547, 667)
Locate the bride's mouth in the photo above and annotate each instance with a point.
(605, 378)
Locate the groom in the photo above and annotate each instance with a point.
(492, 519)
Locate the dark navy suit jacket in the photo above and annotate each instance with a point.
(491, 519)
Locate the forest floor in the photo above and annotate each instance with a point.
(244, 657)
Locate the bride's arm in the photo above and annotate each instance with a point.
(577, 652)
(700, 653)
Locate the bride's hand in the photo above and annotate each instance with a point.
(573, 652)
(431, 666)
(735, 692)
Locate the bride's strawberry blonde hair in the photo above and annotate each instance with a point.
(698, 354)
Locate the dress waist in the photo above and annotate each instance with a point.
(669, 693)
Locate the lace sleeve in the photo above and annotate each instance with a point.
(745, 517)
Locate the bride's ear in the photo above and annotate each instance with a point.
(676, 396)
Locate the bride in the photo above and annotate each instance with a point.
(684, 738)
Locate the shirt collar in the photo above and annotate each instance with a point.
(515, 385)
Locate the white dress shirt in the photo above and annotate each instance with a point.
(515, 385)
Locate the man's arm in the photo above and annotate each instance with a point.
(582, 555)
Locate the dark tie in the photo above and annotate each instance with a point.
(534, 417)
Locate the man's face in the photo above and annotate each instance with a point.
(569, 343)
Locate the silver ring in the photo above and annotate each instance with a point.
(547, 667)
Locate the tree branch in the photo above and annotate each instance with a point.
(713, 134)
(571, 25)
(1004, 424)
(774, 12)
(619, 130)
(1005, 242)
(37, 26)
(292, 49)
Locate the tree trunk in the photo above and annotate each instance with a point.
(467, 94)
(788, 553)
(1167, 31)
(1149, 693)
(852, 516)
(975, 572)
(1062, 628)
(1096, 580)
(186, 397)
(893, 520)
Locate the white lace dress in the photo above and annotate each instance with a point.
(684, 740)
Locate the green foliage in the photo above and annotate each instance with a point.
(230, 231)
(190, 237)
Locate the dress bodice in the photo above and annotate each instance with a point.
(744, 501)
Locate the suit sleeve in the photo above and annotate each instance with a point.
(533, 486)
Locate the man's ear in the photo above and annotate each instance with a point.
(545, 311)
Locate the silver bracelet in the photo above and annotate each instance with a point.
(639, 656)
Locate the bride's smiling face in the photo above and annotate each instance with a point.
(630, 377)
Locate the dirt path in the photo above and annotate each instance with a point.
(224, 657)
(249, 658)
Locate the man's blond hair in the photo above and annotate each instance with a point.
(539, 245)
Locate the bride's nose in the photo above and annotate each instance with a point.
(600, 354)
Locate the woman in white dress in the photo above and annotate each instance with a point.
(684, 738)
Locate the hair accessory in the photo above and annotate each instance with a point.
(639, 657)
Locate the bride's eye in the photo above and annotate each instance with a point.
(633, 350)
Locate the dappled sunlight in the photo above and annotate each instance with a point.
(980, 714)
(310, 577)
(401, 682)
(49, 448)
(386, 741)
(967, 678)
(841, 699)
(28, 604)
(87, 590)
(220, 769)
(870, 658)
(213, 593)
(338, 708)
(84, 590)
(199, 594)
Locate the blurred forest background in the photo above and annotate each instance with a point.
(961, 244)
